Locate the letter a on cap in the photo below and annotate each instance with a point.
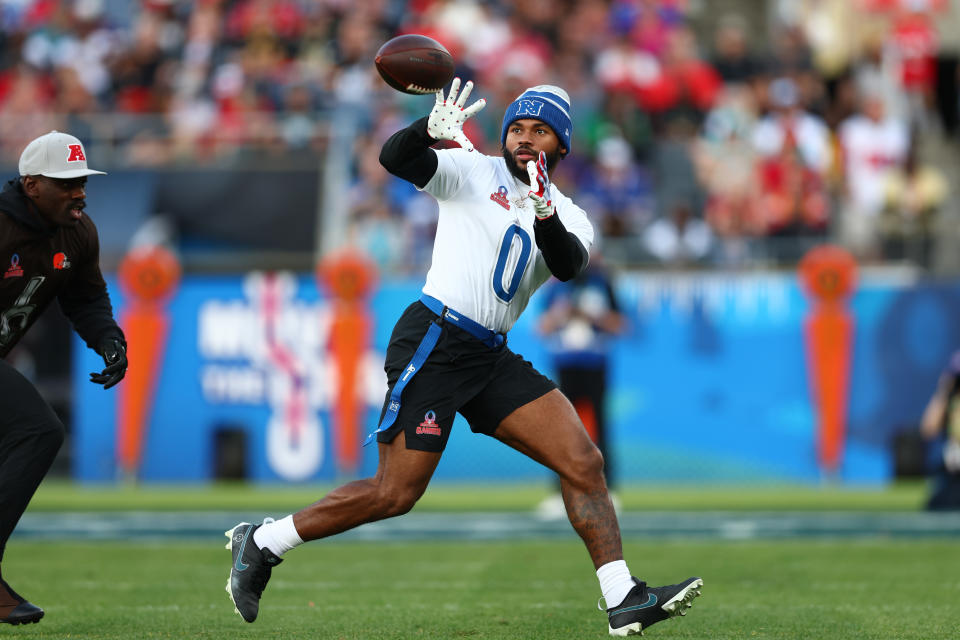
(76, 153)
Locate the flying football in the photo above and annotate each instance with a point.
(414, 64)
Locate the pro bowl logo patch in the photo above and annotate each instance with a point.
(429, 425)
(500, 197)
(14, 270)
(60, 261)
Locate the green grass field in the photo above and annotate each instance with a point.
(502, 591)
(904, 588)
(63, 496)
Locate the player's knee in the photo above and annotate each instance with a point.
(396, 501)
(399, 504)
(594, 462)
(586, 466)
(51, 434)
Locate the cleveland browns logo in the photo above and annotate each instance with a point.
(60, 261)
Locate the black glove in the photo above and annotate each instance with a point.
(114, 352)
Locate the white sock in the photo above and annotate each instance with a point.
(279, 536)
(615, 582)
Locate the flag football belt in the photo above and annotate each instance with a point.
(491, 339)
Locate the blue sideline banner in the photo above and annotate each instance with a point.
(709, 382)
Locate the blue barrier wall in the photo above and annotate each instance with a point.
(709, 381)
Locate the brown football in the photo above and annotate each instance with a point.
(414, 64)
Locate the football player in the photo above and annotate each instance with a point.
(503, 230)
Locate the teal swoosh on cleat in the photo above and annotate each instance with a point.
(651, 600)
(239, 564)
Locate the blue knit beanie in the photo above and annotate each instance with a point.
(545, 103)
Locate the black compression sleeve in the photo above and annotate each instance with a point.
(92, 317)
(565, 254)
(407, 154)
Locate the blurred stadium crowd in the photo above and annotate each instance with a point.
(705, 133)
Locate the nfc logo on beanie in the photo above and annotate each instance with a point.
(529, 107)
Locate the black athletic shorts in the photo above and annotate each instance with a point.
(461, 374)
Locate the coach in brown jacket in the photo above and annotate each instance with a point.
(48, 249)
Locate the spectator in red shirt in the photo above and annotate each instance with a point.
(913, 39)
(686, 82)
(793, 196)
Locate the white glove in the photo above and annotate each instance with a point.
(540, 187)
(448, 115)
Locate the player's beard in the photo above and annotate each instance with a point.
(520, 173)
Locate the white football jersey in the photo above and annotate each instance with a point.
(486, 263)
(871, 149)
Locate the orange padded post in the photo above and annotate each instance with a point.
(349, 279)
(829, 274)
(149, 277)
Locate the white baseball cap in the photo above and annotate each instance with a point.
(55, 155)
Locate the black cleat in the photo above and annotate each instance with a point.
(14, 609)
(250, 570)
(645, 606)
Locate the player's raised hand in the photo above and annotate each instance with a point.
(448, 115)
(540, 186)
